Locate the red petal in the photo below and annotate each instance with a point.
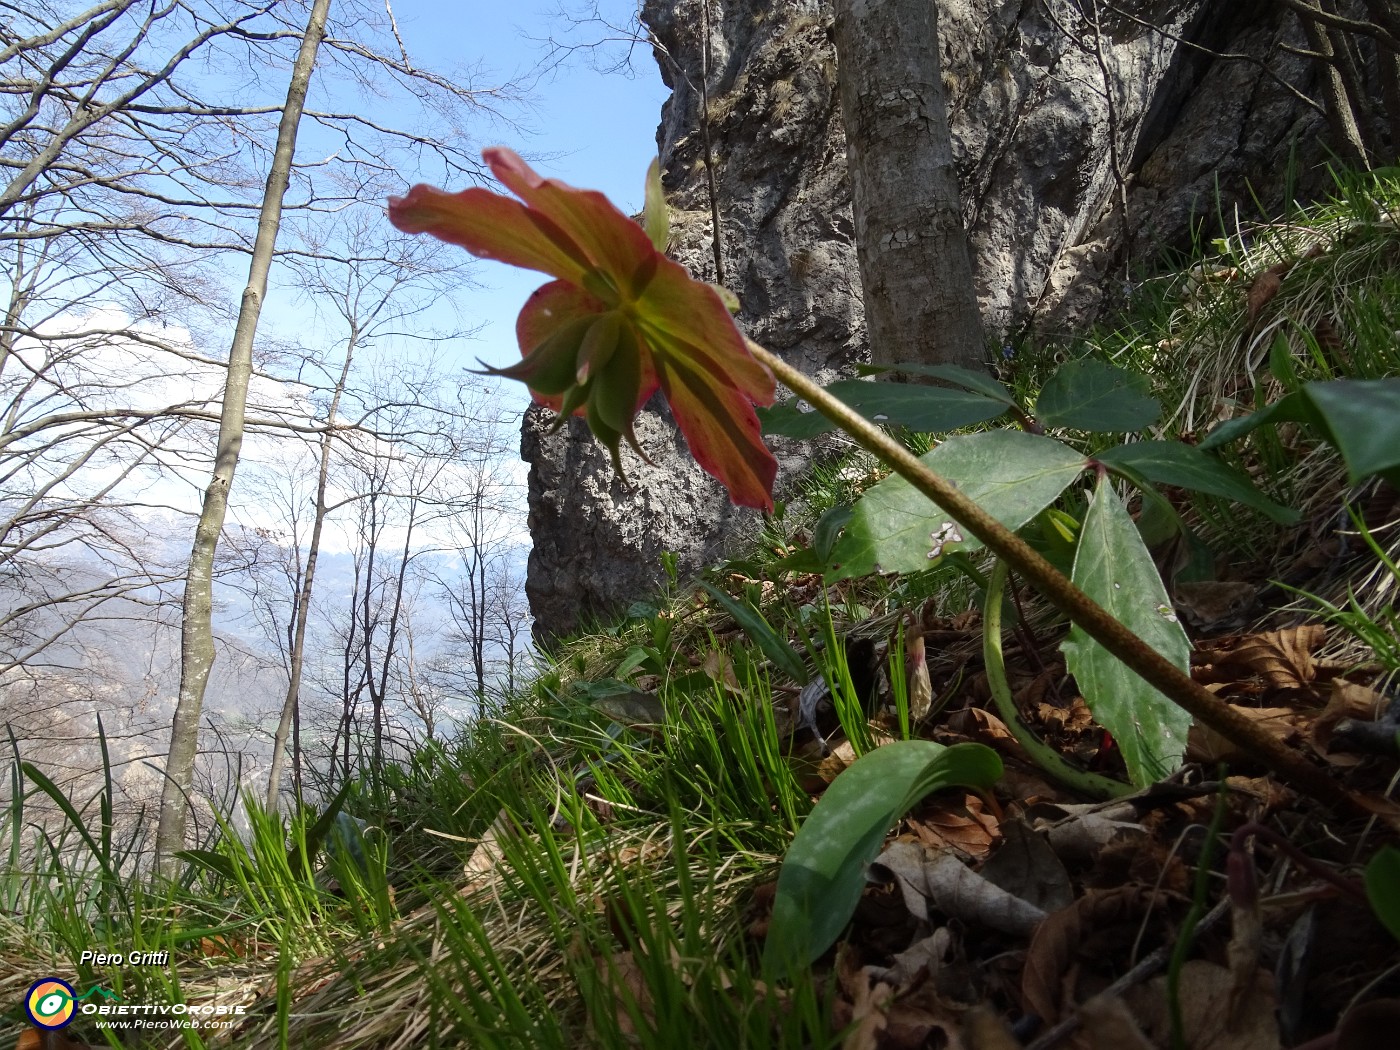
(611, 241)
(684, 318)
(550, 306)
(490, 226)
(722, 430)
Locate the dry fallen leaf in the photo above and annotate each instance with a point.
(1074, 720)
(1107, 1024)
(1205, 994)
(966, 827)
(33, 1039)
(1283, 659)
(621, 973)
(921, 1020)
(1347, 700)
(1208, 747)
(869, 1001)
(1330, 342)
(1050, 974)
(984, 1030)
(1369, 1025)
(720, 668)
(982, 727)
(1215, 605)
(1026, 865)
(939, 879)
(486, 858)
(1082, 832)
(842, 755)
(1263, 289)
(922, 959)
(1268, 793)
(835, 763)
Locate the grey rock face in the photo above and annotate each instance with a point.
(1056, 128)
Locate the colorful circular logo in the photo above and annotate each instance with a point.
(50, 1003)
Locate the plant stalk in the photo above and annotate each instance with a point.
(1154, 669)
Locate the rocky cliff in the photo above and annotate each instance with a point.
(1089, 135)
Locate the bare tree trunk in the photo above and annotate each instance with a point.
(1341, 118)
(296, 657)
(379, 691)
(920, 302)
(197, 635)
(1388, 59)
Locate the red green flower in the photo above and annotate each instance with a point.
(619, 320)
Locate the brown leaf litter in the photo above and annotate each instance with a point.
(1032, 919)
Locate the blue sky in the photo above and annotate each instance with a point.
(592, 129)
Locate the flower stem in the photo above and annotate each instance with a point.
(1155, 669)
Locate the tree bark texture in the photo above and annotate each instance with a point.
(1341, 117)
(197, 634)
(920, 302)
(1388, 59)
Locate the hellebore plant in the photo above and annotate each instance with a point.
(620, 320)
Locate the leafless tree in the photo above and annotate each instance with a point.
(197, 624)
(135, 142)
(368, 299)
(480, 586)
(393, 496)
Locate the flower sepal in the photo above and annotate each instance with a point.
(618, 320)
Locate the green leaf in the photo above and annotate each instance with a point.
(803, 560)
(786, 419)
(927, 409)
(828, 529)
(318, 831)
(824, 870)
(79, 825)
(633, 709)
(1013, 475)
(1094, 396)
(1383, 887)
(1113, 567)
(1187, 467)
(656, 220)
(777, 649)
(967, 378)
(1293, 408)
(215, 862)
(1360, 417)
(1281, 364)
(728, 298)
(634, 657)
(596, 689)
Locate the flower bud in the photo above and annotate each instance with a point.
(551, 367)
(598, 345)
